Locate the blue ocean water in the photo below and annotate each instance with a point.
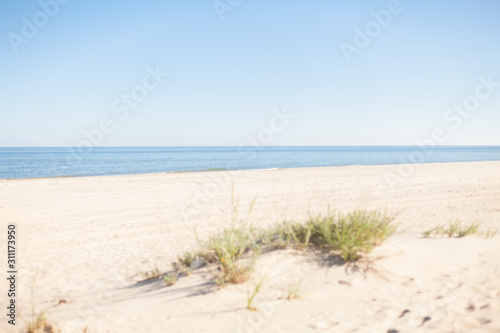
(18, 163)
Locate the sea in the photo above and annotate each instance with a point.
(18, 163)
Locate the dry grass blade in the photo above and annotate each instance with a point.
(251, 297)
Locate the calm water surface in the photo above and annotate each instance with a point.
(57, 162)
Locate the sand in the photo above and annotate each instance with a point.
(87, 239)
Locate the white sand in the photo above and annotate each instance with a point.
(88, 237)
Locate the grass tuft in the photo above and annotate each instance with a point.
(458, 229)
(186, 263)
(227, 249)
(467, 230)
(251, 297)
(350, 235)
(489, 233)
(151, 274)
(293, 290)
(38, 322)
(170, 278)
(186, 260)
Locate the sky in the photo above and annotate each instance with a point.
(213, 73)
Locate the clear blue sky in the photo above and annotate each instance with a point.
(226, 76)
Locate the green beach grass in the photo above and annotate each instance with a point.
(458, 229)
(234, 250)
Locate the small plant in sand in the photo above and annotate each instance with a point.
(291, 234)
(185, 263)
(489, 233)
(170, 278)
(458, 229)
(228, 248)
(467, 230)
(186, 260)
(439, 230)
(38, 322)
(293, 289)
(359, 232)
(251, 297)
(151, 274)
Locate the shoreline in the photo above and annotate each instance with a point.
(241, 170)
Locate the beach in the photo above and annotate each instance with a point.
(86, 239)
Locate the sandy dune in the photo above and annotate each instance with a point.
(87, 239)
